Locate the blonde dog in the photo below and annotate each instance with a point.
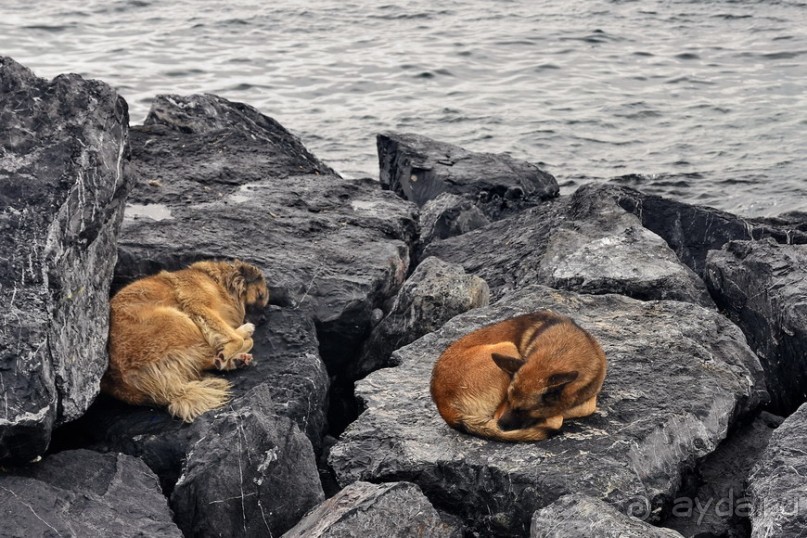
(167, 329)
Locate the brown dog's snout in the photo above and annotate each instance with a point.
(516, 420)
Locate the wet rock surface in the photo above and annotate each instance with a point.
(362, 509)
(420, 169)
(715, 503)
(761, 286)
(586, 243)
(436, 292)
(62, 190)
(679, 375)
(84, 493)
(776, 486)
(576, 515)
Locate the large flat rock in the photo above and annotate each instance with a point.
(62, 190)
(679, 375)
(84, 493)
(420, 169)
(761, 285)
(587, 243)
(777, 486)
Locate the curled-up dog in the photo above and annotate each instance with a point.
(516, 380)
(166, 330)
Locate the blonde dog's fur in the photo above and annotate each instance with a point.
(167, 329)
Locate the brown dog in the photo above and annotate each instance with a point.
(516, 380)
(166, 329)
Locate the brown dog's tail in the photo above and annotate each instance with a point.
(489, 428)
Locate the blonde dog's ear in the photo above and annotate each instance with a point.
(243, 274)
(250, 273)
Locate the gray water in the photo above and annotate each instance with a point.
(701, 100)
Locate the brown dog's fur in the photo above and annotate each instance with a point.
(166, 329)
(516, 380)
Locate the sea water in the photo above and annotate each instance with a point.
(701, 100)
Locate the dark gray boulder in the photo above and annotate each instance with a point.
(363, 510)
(761, 286)
(679, 376)
(420, 169)
(200, 148)
(586, 243)
(448, 215)
(84, 493)
(692, 230)
(217, 179)
(576, 515)
(249, 472)
(776, 486)
(715, 501)
(286, 364)
(436, 292)
(62, 190)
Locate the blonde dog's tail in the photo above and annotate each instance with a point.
(196, 397)
(176, 381)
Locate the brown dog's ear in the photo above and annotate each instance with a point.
(557, 380)
(509, 364)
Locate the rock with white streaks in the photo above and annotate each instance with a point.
(398, 509)
(776, 486)
(761, 285)
(716, 503)
(84, 493)
(62, 192)
(576, 515)
(249, 472)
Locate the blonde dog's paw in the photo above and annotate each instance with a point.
(246, 330)
(242, 360)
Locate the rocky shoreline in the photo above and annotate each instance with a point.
(332, 432)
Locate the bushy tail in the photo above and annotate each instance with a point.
(489, 428)
(176, 382)
(196, 397)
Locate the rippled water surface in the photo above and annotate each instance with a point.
(702, 100)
